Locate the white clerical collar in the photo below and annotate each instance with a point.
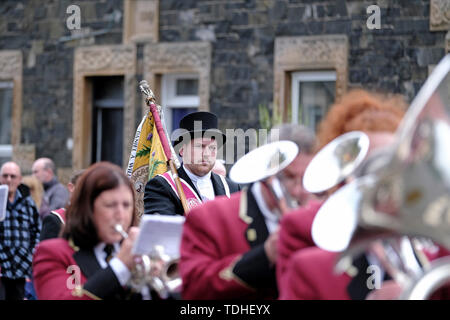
(194, 178)
(204, 185)
(270, 217)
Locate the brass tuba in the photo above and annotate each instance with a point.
(343, 158)
(406, 199)
(265, 164)
(335, 162)
(437, 275)
(423, 155)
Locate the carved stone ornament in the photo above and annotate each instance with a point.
(182, 57)
(11, 70)
(177, 55)
(315, 50)
(10, 64)
(141, 20)
(439, 15)
(98, 58)
(310, 53)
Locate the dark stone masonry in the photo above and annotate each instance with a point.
(395, 58)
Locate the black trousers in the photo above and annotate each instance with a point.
(14, 289)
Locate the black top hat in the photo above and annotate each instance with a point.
(199, 124)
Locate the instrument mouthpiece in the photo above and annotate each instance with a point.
(119, 229)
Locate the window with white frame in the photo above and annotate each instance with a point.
(179, 98)
(6, 102)
(312, 92)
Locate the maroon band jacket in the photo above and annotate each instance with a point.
(295, 234)
(62, 271)
(222, 251)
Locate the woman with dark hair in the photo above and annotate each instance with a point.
(79, 265)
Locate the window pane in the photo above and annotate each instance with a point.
(107, 120)
(315, 99)
(6, 100)
(187, 87)
(5, 153)
(178, 114)
(108, 88)
(112, 135)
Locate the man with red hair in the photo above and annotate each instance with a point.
(378, 117)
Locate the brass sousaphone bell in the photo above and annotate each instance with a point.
(335, 162)
(407, 197)
(337, 226)
(265, 163)
(330, 168)
(337, 219)
(412, 195)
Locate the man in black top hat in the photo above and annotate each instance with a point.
(197, 143)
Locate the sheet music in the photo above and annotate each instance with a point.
(159, 230)
(3, 201)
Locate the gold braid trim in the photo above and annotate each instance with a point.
(79, 291)
(345, 265)
(73, 246)
(228, 275)
(352, 271)
(243, 207)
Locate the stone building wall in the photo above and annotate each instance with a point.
(39, 30)
(242, 33)
(394, 58)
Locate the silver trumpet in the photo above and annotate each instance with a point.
(156, 270)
